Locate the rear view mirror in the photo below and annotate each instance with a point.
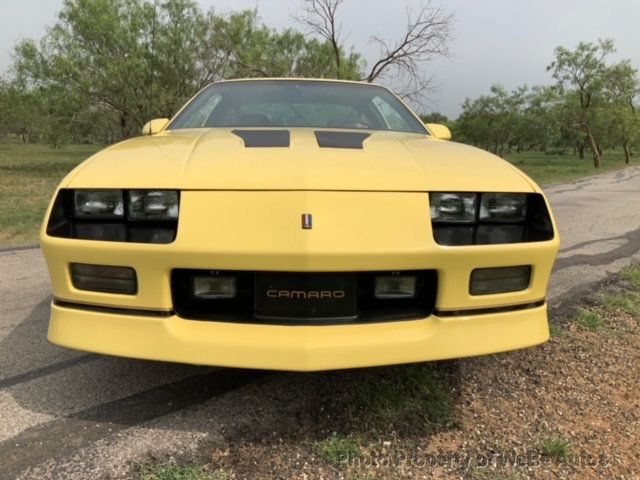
(439, 131)
(154, 126)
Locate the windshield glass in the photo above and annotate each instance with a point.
(291, 103)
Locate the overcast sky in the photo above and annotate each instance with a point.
(496, 41)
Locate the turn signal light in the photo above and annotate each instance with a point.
(103, 278)
(485, 281)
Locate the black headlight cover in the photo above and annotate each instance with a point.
(65, 223)
(534, 226)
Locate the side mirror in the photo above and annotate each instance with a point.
(154, 126)
(439, 131)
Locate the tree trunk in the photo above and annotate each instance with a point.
(581, 151)
(594, 146)
(124, 125)
(627, 152)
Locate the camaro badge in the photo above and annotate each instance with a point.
(307, 221)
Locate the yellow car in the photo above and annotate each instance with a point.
(297, 225)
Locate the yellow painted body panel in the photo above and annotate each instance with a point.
(353, 231)
(240, 209)
(215, 159)
(296, 348)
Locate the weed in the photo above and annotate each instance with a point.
(337, 450)
(168, 471)
(589, 319)
(555, 447)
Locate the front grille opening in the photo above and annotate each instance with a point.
(303, 298)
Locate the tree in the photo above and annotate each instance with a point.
(434, 117)
(622, 88)
(540, 126)
(494, 121)
(115, 64)
(582, 74)
(320, 18)
(427, 35)
(124, 58)
(23, 111)
(258, 51)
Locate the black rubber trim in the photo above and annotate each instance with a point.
(341, 139)
(264, 138)
(171, 313)
(140, 312)
(489, 310)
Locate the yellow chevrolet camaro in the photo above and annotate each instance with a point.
(297, 225)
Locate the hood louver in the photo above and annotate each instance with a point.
(341, 139)
(264, 138)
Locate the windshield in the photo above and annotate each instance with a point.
(291, 103)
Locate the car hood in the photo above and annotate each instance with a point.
(217, 159)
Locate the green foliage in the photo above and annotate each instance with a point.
(589, 319)
(555, 331)
(555, 447)
(493, 121)
(631, 275)
(108, 66)
(595, 95)
(174, 472)
(337, 450)
(435, 117)
(592, 106)
(23, 111)
(405, 397)
(627, 299)
(624, 302)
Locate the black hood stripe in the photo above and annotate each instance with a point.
(264, 138)
(341, 139)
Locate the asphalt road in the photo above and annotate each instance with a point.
(66, 414)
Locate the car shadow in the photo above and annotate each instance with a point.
(74, 386)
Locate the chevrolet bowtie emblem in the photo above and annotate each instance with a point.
(307, 221)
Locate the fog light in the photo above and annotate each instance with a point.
(485, 281)
(103, 278)
(395, 287)
(214, 287)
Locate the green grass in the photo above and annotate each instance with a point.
(626, 302)
(175, 472)
(589, 319)
(406, 397)
(28, 176)
(555, 447)
(337, 450)
(631, 275)
(555, 331)
(552, 169)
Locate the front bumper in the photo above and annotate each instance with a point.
(296, 348)
(260, 231)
